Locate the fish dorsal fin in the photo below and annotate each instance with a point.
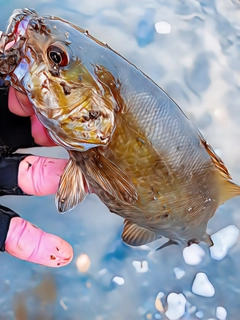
(216, 160)
(109, 176)
(135, 235)
(228, 189)
(72, 189)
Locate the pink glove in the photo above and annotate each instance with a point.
(36, 176)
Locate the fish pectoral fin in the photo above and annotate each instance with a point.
(73, 187)
(135, 235)
(111, 178)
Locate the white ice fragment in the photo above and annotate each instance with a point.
(118, 280)
(202, 286)
(176, 306)
(163, 27)
(102, 272)
(160, 295)
(193, 254)
(63, 304)
(179, 273)
(192, 309)
(223, 240)
(140, 266)
(221, 313)
(199, 314)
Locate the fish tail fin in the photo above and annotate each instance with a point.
(73, 187)
(228, 190)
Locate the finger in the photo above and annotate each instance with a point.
(40, 175)
(40, 134)
(19, 103)
(25, 241)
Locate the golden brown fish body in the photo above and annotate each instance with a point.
(127, 139)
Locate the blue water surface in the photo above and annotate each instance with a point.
(198, 64)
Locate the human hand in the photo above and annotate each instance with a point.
(19, 104)
(36, 176)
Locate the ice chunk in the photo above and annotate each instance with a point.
(199, 314)
(176, 306)
(140, 266)
(193, 254)
(118, 280)
(202, 286)
(223, 240)
(163, 27)
(221, 313)
(179, 273)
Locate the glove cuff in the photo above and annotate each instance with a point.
(6, 215)
(9, 165)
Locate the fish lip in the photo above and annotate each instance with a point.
(11, 44)
(13, 40)
(16, 29)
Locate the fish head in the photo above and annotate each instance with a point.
(49, 59)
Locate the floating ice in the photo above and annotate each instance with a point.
(176, 306)
(118, 280)
(179, 273)
(202, 286)
(163, 27)
(221, 313)
(223, 240)
(63, 304)
(199, 314)
(193, 254)
(140, 266)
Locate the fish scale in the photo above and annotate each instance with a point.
(128, 141)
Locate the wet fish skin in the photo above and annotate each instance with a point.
(127, 139)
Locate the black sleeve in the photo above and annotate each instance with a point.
(6, 215)
(15, 132)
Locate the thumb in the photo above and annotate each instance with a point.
(27, 242)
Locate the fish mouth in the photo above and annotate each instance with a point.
(13, 40)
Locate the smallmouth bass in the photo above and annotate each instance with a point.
(127, 139)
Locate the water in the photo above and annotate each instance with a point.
(197, 63)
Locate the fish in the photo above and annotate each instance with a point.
(127, 140)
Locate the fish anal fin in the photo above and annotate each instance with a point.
(73, 188)
(135, 235)
(110, 177)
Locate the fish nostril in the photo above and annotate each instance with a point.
(94, 114)
(34, 25)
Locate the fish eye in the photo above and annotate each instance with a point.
(57, 56)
